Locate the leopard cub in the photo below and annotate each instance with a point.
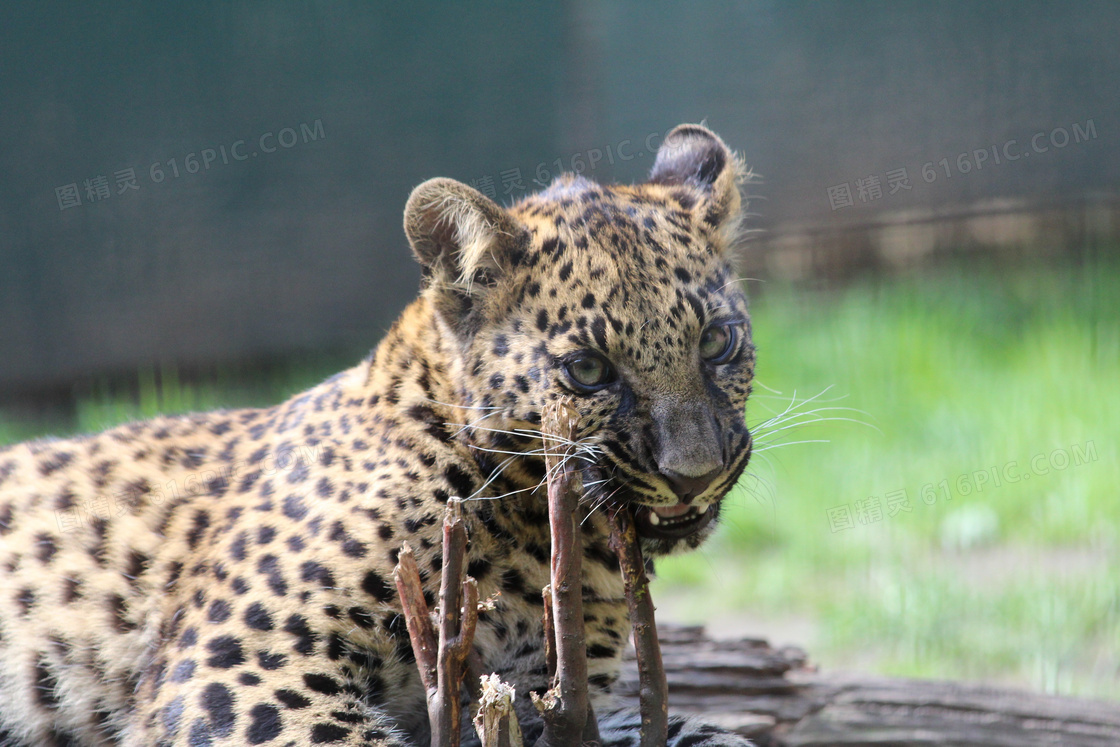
(226, 578)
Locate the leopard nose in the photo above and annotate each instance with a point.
(687, 487)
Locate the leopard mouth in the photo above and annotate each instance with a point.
(671, 522)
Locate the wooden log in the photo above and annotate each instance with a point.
(776, 699)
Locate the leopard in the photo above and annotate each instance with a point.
(226, 578)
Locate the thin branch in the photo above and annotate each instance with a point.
(442, 663)
(458, 613)
(565, 707)
(653, 688)
(419, 621)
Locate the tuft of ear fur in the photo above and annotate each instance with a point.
(694, 156)
(461, 238)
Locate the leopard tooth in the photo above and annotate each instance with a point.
(654, 518)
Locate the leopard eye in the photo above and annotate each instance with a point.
(718, 343)
(588, 371)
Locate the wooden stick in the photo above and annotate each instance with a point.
(653, 688)
(442, 664)
(565, 706)
(496, 721)
(416, 616)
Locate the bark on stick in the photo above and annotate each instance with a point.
(442, 662)
(653, 689)
(567, 715)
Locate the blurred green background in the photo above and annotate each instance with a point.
(955, 511)
(934, 490)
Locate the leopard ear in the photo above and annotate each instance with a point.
(463, 240)
(695, 156)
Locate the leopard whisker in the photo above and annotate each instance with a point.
(459, 406)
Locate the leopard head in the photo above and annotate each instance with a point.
(623, 299)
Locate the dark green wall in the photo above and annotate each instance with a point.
(300, 249)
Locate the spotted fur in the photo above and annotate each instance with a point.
(226, 578)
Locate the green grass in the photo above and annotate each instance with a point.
(946, 375)
(954, 373)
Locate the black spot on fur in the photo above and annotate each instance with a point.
(294, 508)
(257, 617)
(347, 718)
(292, 699)
(198, 526)
(321, 683)
(219, 611)
(45, 547)
(184, 670)
(599, 332)
(350, 547)
(170, 715)
(305, 637)
(64, 502)
(218, 701)
(478, 569)
(312, 571)
(336, 646)
(99, 549)
(361, 617)
(376, 587)
(237, 547)
(188, 638)
(270, 661)
(118, 612)
(461, 483)
(25, 599)
(225, 652)
(45, 685)
(501, 346)
(137, 565)
(269, 566)
(324, 733)
(298, 473)
(265, 723)
(54, 462)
